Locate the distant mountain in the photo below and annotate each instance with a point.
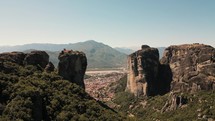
(98, 54)
(124, 50)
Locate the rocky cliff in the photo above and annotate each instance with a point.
(27, 93)
(192, 66)
(72, 66)
(15, 57)
(188, 68)
(145, 76)
(36, 58)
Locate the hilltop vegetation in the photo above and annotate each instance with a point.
(199, 106)
(31, 94)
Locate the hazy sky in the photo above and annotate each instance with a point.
(117, 23)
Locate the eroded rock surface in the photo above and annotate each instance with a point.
(145, 77)
(192, 66)
(37, 58)
(72, 66)
(174, 101)
(49, 67)
(15, 57)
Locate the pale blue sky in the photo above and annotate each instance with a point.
(118, 23)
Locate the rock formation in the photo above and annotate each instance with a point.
(173, 102)
(37, 58)
(144, 72)
(72, 66)
(40, 59)
(49, 67)
(192, 66)
(15, 57)
(188, 68)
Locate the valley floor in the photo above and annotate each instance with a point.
(98, 83)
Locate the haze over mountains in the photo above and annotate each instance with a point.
(98, 54)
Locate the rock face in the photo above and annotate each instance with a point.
(15, 57)
(144, 77)
(192, 66)
(49, 67)
(37, 58)
(174, 101)
(72, 66)
(183, 68)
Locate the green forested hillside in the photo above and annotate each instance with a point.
(197, 106)
(29, 94)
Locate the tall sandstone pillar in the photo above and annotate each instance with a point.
(72, 66)
(143, 66)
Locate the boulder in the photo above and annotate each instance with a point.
(174, 101)
(72, 66)
(49, 67)
(192, 66)
(14, 57)
(37, 58)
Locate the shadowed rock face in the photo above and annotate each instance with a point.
(37, 58)
(145, 77)
(15, 57)
(192, 65)
(72, 66)
(49, 67)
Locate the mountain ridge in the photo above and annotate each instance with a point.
(99, 55)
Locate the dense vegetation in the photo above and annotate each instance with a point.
(27, 93)
(200, 106)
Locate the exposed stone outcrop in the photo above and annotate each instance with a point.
(174, 101)
(37, 58)
(188, 68)
(15, 57)
(192, 66)
(49, 67)
(72, 66)
(144, 77)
